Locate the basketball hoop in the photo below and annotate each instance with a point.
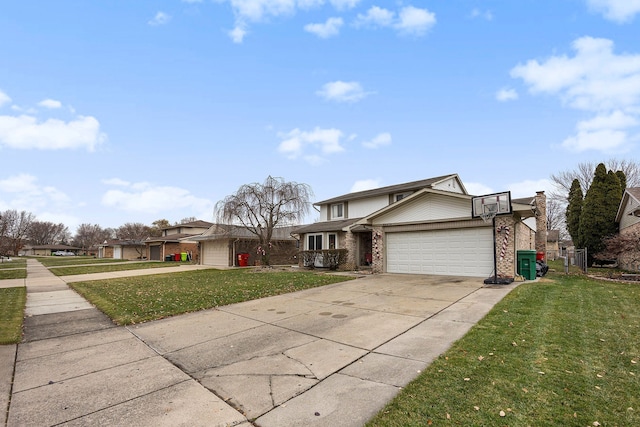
(488, 216)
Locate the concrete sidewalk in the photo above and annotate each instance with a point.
(326, 356)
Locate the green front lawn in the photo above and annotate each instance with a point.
(54, 261)
(15, 273)
(560, 352)
(12, 302)
(139, 299)
(14, 263)
(105, 268)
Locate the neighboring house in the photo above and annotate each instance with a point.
(423, 227)
(122, 249)
(176, 239)
(628, 219)
(553, 244)
(48, 250)
(222, 244)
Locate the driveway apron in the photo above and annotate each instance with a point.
(326, 356)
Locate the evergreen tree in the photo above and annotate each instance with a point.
(574, 210)
(600, 206)
(623, 180)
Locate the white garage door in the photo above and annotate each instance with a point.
(215, 253)
(459, 252)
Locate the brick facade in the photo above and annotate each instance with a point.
(541, 222)
(630, 261)
(349, 243)
(378, 251)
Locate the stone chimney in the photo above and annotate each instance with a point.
(540, 206)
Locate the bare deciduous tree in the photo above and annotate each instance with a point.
(622, 247)
(91, 235)
(13, 230)
(262, 207)
(584, 174)
(136, 233)
(47, 233)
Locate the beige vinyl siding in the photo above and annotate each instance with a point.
(627, 219)
(431, 207)
(363, 207)
(450, 184)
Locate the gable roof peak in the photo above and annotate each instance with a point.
(396, 188)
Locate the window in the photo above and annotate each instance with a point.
(400, 196)
(337, 211)
(314, 242)
(333, 241)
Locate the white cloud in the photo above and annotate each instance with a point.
(50, 103)
(147, 198)
(528, 188)
(477, 13)
(330, 28)
(26, 132)
(364, 185)
(160, 18)
(505, 94)
(379, 141)
(477, 189)
(410, 20)
(344, 4)
(340, 91)
(116, 181)
(237, 34)
(24, 192)
(376, 17)
(296, 143)
(596, 80)
(415, 21)
(606, 140)
(4, 98)
(619, 11)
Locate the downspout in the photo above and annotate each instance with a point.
(233, 251)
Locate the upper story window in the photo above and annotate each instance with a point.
(399, 196)
(337, 211)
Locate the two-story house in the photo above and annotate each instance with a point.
(628, 219)
(176, 239)
(421, 227)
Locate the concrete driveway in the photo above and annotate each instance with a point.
(327, 356)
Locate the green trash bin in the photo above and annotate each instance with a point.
(183, 256)
(527, 264)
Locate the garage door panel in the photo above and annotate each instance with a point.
(464, 252)
(215, 253)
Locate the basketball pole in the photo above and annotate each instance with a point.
(495, 258)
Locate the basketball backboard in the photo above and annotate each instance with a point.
(490, 205)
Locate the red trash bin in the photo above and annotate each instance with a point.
(176, 257)
(243, 260)
(539, 256)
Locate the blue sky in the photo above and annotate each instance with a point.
(132, 111)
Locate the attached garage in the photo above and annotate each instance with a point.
(215, 252)
(458, 252)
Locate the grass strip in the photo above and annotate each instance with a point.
(559, 352)
(16, 273)
(14, 263)
(105, 268)
(12, 303)
(76, 260)
(139, 299)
